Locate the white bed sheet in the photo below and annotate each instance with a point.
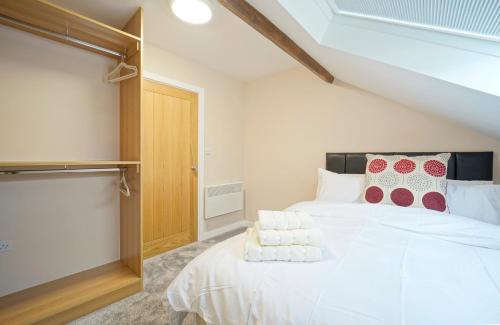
(382, 265)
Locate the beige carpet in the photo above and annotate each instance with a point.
(148, 307)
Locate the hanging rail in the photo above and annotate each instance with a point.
(59, 171)
(60, 36)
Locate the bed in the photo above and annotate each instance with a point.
(382, 265)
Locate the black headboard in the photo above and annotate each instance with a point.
(465, 166)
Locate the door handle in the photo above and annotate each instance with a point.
(194, 168)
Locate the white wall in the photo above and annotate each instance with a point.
(55, 106)
(223, 119)
(292, 119)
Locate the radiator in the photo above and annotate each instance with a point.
(222, 199)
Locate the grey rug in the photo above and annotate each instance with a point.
(148, 307)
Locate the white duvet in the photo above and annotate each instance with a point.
(382, 265)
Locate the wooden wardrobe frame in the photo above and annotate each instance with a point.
(70, 297)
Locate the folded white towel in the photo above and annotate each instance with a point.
(293, 253)
(311, 237)
(284, 220)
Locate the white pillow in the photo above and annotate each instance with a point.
(453, 183)
(468, 183)
(480, 202)
(339, 187)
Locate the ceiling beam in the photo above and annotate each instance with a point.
(260, 23)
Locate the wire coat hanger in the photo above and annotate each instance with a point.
(114, 75)
(124, 189)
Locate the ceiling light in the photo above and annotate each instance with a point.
(192, 11)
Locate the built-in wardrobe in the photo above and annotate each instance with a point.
(71, 296)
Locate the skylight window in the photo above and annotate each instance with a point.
(472, 18)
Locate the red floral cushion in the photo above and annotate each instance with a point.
(417, 182)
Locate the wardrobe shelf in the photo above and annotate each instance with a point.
(48, 20)
(82, 163)
(61, 300)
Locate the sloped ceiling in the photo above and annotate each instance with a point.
(446, 73)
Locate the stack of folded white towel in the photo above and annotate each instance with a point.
(283, 236)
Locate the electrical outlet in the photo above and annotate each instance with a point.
(5, 246)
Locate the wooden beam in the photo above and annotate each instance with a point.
(260, 23)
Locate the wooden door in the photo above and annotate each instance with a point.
(169, 166)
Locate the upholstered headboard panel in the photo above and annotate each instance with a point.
(466, 166)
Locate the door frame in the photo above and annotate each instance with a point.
(201, 139)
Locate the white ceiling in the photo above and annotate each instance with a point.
(226, 43)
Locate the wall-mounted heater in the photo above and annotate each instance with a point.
(222, 199)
